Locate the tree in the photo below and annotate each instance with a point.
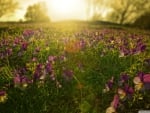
(143, 21)
(95, 9)
(96, 16)
(92, 8)
(7, 6)
(126, 10)
(37, 13)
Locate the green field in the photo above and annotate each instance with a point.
(73, 68)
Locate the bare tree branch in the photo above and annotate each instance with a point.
(125, 9)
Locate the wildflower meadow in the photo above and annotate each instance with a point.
(73, 68)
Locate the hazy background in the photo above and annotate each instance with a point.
(115, 11)
(20, 11)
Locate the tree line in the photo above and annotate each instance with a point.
(136, 12)
(122, 11)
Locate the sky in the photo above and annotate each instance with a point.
(57, 10)
(66, 9)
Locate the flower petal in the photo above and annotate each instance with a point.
(115, 102)
(137, 80)
(146, 78)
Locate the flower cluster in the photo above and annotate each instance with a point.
(142, 82)
(40, 72)
(20, 80)
(28, 33)
(124, 92)
(37, 57)
(12, 47)
(129, 47)
(74, 46)
(125, 43)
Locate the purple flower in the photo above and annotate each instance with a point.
(140, 75)
(24, 79)
(2, 93)
(51, 58)
(48, 68)
(36, 75)
(124, 78)
(21, 81)
(38, 72)
(2, 55)
(110, 83)
(24, 46)
(142, 47)
(124, 51)
(142, 81)
(17, 80)
(68, 74)
(115, 101)
(146, 78)
(16, 41)
(39, 67)
(82, 44)
(28, 33)
(129, 90)
(9, 51)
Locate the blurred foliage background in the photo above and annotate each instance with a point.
(131, 12)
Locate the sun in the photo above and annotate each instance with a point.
(66, 9)
(64, 6)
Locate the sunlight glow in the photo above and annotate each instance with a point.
(59, 10)
(66, 9)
